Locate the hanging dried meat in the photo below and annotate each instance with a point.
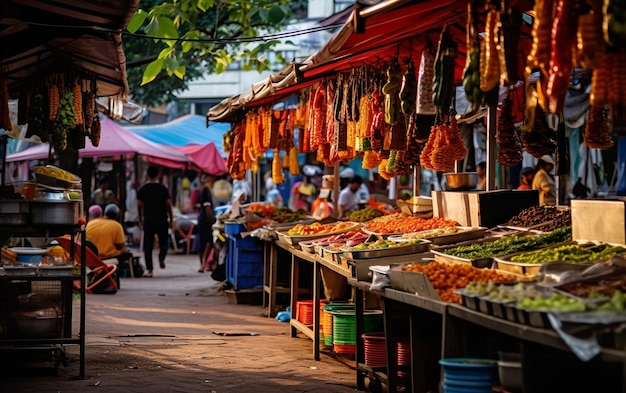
(590, 46)
(509, 145)
(456, 147)
(318, 117)
(235, 159)
(563, 41)
(426, 76)
(597, 130)
(489, 58)
(443, 148)
(378, 121)
(277, 168)
(403, 167)
(364, 124)
(540, 139)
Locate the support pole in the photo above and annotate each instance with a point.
(417, 180)
(336, 190)
(490, 172)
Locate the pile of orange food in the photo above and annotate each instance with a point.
(319, 229)
(446, 277)
(401, 223)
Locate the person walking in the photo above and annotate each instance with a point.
(206, 220)
(154, 205)
(348, 197)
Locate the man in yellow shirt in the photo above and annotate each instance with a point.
(107, 234)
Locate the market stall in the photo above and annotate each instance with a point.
(385, 89)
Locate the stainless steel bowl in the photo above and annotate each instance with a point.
(462, 180)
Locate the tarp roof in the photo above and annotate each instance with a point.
(186, 130)
(390, 28)
(115, 141)
(41, 36)
(206, 157)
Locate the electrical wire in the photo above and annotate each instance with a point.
(236, 40)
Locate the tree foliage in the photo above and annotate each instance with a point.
(176, 41)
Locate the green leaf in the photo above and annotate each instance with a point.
(180, 72)
(277, 14)
(192, 35)
(167, 29)
(171, 63)
(152, 28)
(152, 70)
(204, 5)
(220, 65)
(165, 53)
(137, 21)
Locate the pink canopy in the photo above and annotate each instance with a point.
(206, 158)
(115, 141)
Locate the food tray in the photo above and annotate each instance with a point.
(469, 300)
(479, 263)
(464, 234)
(295, 240)
(531, 269)
(288, 225)
(55, 271)
(20, 270)
(421, 246)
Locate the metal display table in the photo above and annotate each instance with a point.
(57, 289)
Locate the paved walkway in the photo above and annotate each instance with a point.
(157, 335)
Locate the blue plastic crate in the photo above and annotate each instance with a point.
(247, 243)
(233, 228)
(245, 268)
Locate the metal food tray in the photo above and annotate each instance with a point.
(464, 234)
(288, 225)
(295, 240)
(421, 246)
(532, 269)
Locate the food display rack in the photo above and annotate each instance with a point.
(34, 341)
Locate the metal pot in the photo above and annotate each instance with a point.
(462, 180)
(54, 212)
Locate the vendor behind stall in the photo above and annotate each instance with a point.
(349, 198)
(544, 182)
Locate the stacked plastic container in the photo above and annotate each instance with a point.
(244, 266)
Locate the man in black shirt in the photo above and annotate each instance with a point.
(205, 222)
(155, 209)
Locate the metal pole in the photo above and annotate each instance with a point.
(336, 190)
(417, 180)
(490, 172)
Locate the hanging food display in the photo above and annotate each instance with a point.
(509, 146)
(443, 84)
(540, 140)
(597, 129)
(408, 90)
(425, 105)
(5, 119)
(489, 57)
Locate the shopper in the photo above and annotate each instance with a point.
(481, 169)
(206, 219)
(107, 234)
(103, 195)
(95, 211)
(155, 217)
(526, 175)
(543, 181)
(349, 197)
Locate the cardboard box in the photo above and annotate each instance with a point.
(411, 282)
(601, 220)
(482, 208)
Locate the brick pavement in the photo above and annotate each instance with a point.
(156, 335)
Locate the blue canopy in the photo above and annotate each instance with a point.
(186, 130)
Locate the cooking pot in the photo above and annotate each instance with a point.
(461, 181)
(55, 212)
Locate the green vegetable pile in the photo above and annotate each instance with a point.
(380, 243)
(510, 244)
(570, 253)
(369, 213)
(556, 302)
